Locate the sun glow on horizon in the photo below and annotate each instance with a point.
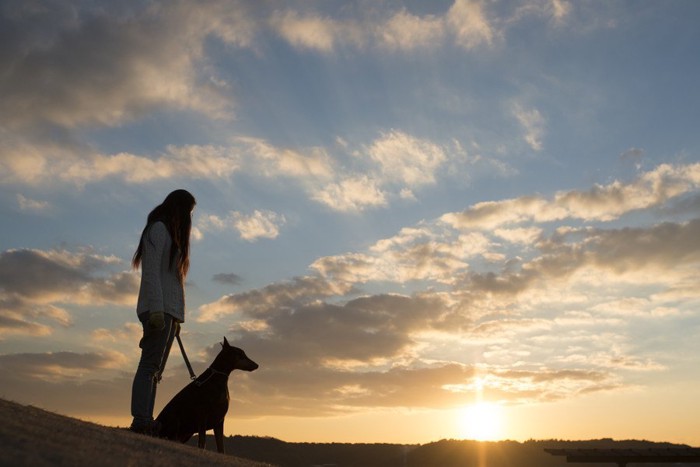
(481, 421)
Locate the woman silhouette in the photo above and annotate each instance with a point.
(163, 254)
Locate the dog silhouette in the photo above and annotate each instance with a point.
(202, 405)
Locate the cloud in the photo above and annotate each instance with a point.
(634, 155)
(310, 31)
(259, 224)
(106, 66)
(404, 31)
(600, 203)
(283, 295)
(194, 162)
(27, 204)
(66, 69)
(476, 291)
(403, 158)
(560, 9)
(263, 158)
(469, 24)
(394, 160)
(557, 11)
(187, 161)
(422, 253)
(56, 366)
(533, 124)
(130, 332)
(394, 165)
(35, 285)
(351, 194)
(250, 227)
(466, 24)
(522, 235)
(227, 278)
(377, 350)
(80, 384)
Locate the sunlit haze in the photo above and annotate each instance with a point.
(423, 219)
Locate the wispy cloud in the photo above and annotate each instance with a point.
(600, 203)
(28, 204)
(466, 24)
(533, 125)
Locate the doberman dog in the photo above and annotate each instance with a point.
(202, 404)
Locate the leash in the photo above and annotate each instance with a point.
(184, 354)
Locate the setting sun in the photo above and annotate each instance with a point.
(482, 421)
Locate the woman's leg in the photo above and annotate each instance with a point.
(155, 346)
(171, 328)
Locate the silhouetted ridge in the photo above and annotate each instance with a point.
(443, 453)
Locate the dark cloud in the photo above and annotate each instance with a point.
(19, 325)
(68, 65)
(35, 284)
(227, 278)
(30, 273)
(54, 365)
(42, 275)
(361, 330)
(662, 246)
(287, 294)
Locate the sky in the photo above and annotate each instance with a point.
(423, 220)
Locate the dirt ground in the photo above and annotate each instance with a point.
(34, 437)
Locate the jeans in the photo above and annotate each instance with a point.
(155, 347)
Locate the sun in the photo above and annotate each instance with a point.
(481, 421)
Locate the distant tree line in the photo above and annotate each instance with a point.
(444, 453)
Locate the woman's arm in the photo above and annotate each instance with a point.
(154, 247)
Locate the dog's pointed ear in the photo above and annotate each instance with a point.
(226, 344)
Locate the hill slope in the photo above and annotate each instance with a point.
(35, 437)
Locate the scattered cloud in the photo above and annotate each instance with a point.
(359, 348)
(129, 332)
(533, 124)
(250, 227)
(402, 158)
(32, 205)
(466, 24)
(351, 194)
(404, 31)
(271, 161)
(259, 224)
(309, 31)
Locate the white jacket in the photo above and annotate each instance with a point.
(160, 288)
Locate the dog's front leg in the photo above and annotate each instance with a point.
(202, 442)
(219, 436)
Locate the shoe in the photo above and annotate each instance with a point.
(148, 428)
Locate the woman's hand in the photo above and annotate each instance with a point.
(156, 320)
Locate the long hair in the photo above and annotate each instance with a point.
(176, 213)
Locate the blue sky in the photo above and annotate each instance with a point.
(404, 208)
